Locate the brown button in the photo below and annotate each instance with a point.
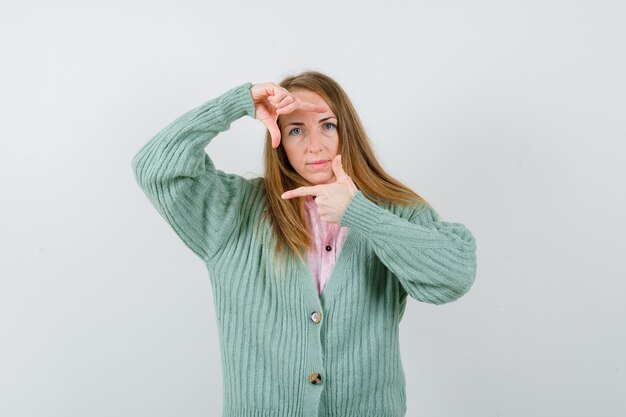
(315, 378)
(316, 317)
(328, 248)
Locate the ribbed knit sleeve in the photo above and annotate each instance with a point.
(434, 260)
(200, 202)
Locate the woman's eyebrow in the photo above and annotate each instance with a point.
(302, 124)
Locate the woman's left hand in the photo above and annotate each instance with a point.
(331, 199)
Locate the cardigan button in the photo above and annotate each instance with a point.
(316, 317)
(315, 378)
(328, 248)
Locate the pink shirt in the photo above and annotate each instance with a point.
(328, 239)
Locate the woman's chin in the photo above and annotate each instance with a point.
(318, 180)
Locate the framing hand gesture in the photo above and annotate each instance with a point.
(270, 100)
(331, 199)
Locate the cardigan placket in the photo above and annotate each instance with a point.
(305, 278)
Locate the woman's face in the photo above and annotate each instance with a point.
(308, 137)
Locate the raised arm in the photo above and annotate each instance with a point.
(201, 203)
(434, 260)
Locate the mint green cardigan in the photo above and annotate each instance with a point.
(285, 350)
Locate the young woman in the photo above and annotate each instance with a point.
(312, 263)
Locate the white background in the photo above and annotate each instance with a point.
(507, 116)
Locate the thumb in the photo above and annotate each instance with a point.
(340, 174)
(272, 127)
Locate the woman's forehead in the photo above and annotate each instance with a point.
(300, 117)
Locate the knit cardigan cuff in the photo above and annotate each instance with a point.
(361, 213)
(237, 102)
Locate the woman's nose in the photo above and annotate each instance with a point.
(315, 140)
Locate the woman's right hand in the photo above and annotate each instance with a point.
(271, 100)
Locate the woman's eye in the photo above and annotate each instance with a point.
(293, 131)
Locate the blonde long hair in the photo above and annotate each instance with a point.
(286, 217)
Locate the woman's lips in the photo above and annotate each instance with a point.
(319, 165)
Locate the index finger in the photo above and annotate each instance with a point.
(302, 191)
(319, 108)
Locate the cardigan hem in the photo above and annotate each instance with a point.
(255, 412)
